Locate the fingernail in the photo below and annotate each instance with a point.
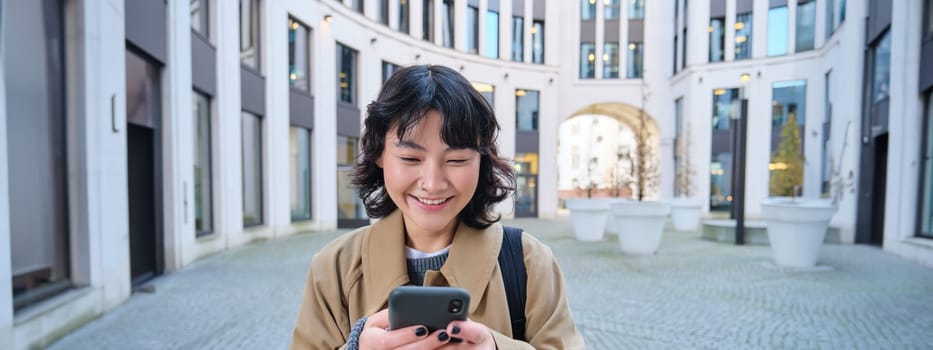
(421, 331)
(443, 336)
(456, 340)
(455, 330)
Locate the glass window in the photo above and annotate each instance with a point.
(203, 201)
(926, 214)
(635, 56)
(806, 26)
(777, 31)
(403, 16)
(826, 171)
(612, 9)
(842, 11)
(249, 33)
(349, 205)
(200, 17)
(526, 109)
(788, 117)
(299, 152)
(882, 68)
(636, 9)
(743, 36)
(928, 20)
(388, 69)
(587, 61)
(725, 107)
(526, 170)
(346, 74)
(488, 91)
(830, 18)
(537, 42)
(383, 11)
(37, 166)
(717, 39)
(492, 34)
(472, 30)
(357, 5)
(587, 9)
(252, 169)
(299, 53)
(447, 11)
(427, 20)
(683, 43)
(678, 122)
(611, 60)
(518, 38)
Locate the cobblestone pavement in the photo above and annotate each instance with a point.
(693, 294)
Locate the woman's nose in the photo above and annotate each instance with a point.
(433, 178)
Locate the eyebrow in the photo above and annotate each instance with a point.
(413, 145)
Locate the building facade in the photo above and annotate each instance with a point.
(139, 136)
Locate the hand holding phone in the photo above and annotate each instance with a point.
(432, 307)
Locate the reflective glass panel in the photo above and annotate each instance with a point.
(492, 35)
(788, 108)
(743, 36)
(806, 26)
(252, 169)
(203, 218)
(777, 31)
(587, 61)
(299, 152)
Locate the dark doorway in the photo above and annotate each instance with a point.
(141, 181)
(143, 117)
(878, 193)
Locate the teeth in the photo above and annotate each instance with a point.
(432, 202)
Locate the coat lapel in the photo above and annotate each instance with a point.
(383, 260)
(472, 258)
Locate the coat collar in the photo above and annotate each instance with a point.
(473, 257)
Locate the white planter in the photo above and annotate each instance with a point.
(640, 225)
(685, 214)
(589, 217)
(796, 229)
(610, 221)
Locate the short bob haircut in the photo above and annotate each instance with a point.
(468, 122)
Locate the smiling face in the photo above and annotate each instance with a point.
(428, 181)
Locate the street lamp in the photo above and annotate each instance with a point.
(739, 136)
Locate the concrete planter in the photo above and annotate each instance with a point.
(796, 229)
(589, 217)
(685, 214)
(640, 225)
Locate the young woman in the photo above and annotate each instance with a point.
(430, 170)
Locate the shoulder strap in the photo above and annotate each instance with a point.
(512, 266)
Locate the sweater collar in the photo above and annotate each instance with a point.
(473, 257)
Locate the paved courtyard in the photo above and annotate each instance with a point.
(693, 294)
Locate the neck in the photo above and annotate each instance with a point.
(427, 241)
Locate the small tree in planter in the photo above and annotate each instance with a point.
(685, 209)
(788, 177)
(797, 227)
(640, 224)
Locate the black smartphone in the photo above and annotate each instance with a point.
(432, 307)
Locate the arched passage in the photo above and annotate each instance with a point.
(609, 149)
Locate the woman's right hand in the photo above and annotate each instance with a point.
(376, 335)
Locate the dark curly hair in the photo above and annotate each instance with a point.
(468, 122)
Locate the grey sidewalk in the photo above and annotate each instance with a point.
(692, 294)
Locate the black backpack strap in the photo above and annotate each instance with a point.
(512, 266)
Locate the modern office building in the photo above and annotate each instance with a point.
(141, 135)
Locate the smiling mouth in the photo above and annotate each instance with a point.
(431, 201)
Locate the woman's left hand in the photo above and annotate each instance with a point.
(471, 335)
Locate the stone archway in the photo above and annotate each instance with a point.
(605, 159)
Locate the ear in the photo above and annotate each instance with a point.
(379, 162)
